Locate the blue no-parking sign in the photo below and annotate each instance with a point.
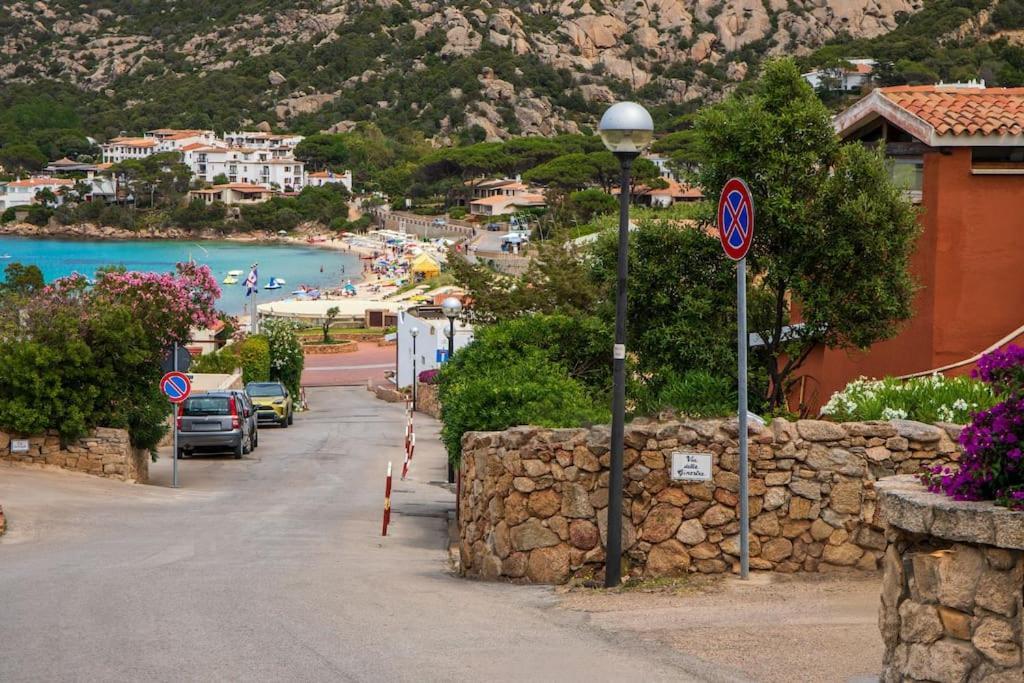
(442, 356)
(176, 386)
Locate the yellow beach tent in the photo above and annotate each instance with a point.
(424, 266)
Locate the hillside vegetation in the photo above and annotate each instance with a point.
(447, 72)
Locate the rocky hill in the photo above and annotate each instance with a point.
(484, 68)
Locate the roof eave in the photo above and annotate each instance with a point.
(977, 140)
(877, 105)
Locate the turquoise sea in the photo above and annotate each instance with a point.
(298, 265)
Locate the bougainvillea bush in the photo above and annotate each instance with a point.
(992, 465)
(84, 354)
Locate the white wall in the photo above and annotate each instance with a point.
(428, 341)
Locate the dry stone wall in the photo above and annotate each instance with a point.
(534, 503)
(427, 401)
(952, 588)
(104, 452)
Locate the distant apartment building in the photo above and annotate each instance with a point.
(123, 148)
(171, 140)
(321, 178)
(18, 193)
(254, 158)
(959, 152)
(245, 165)
(261, 140)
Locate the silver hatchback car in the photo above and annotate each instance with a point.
(217, 421)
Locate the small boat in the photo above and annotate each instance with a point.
(5, 256)
(273, 284)
(230, 280)
(236, 273)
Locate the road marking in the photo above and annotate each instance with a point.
(322, 368)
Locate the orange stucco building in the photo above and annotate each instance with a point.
(959, 152)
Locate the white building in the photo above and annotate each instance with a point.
(662, 164)
(261, 140)
(846, 78)
(268, 167)
(121, 149)
(23, 192)
(321, 178)
(430, 324)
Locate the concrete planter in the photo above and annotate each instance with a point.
(324, 349)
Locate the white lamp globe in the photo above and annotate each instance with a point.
(451, 307)
(626, 127)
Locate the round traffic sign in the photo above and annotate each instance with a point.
(736, 218)
(176, 386)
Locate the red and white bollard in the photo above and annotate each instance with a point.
(410, 444)
(387, 502)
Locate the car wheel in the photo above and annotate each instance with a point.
(247, 446)
(181, 454)
(255, 440)
(239, 449)
(284, 422)
(291, 418)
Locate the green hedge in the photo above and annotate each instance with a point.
(545, 370)
(224, 361)
(254, 356)
(525, 390)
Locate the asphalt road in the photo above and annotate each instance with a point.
(273, 568)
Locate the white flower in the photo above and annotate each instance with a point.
(959, 404)
(894, 414)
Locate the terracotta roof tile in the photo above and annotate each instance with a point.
(963, 111)
(41, 181)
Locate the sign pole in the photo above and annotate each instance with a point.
(736, 231)
(174, 428)
(741, 353)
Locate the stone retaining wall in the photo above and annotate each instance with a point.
(104, 453)
(534, 501)
(426, 400)
(3, 522)
(952, 588)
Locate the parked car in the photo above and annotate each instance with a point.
(273, 402)
(494, 227)
(216, 421)
(250, 410)
(440, 221)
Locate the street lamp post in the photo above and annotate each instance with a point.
(451, 308)
(626, 129)
(414, 332)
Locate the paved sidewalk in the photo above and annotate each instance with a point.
(369, 363)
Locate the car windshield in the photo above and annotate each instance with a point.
(207, 405)
(265, 390)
